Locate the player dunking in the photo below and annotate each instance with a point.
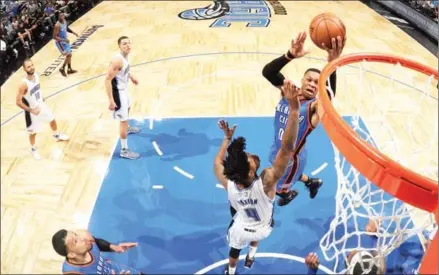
(36, 112)
(63, 44)
(116, 86)
(308, 116)
(252, 196)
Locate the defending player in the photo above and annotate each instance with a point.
(308, 117)
(83, 255)
(116, 86)
(252, 196)
(63, 44)
(36, 112)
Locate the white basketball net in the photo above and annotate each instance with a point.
(392, 109)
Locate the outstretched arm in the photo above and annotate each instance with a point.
(272, 70)
(273, 174)
(218, 167)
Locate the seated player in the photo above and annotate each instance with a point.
(308, 118)
(83, 255)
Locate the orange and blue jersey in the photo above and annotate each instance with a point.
(98, 265)
(298, 158)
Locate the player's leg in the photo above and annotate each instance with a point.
(131, 129)
(46, 115)
(283, 189)
(238, 239)
(250, 259)
(312, 184)
(122, 115)
(32, 139)
(61, 48)
(69, 60)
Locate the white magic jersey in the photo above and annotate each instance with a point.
(33, 95)
(123, 75)
(254, 208)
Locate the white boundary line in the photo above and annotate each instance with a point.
(157, 187)
(157, 149)
(184, 173)
(263, 255)
(318, 170)
(219, 186)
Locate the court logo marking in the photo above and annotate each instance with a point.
(256, 14)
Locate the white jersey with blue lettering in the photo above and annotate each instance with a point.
(122, 77)
(33, 96)
(253, 207)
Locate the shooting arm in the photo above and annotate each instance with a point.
(19, 99)
(271, 71)
(104, 245)
(218, 162)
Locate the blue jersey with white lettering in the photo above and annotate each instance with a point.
(63, 30)
(280, 122)
(98, 265)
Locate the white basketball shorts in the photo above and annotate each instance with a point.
(124, 103)
(239, 237)
(35, 123)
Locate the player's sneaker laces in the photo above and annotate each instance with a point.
(313, 186)
(126, 153)
(286, 198)
(61, 137)
(133, 130)
(249, 262)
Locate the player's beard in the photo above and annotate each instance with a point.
(30, 73)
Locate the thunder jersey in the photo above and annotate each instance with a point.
(98, 265)
(63, 30)
(280, 122)
(33, 95)
(253, 207)
(120, 81)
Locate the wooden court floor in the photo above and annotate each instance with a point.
(185, 68)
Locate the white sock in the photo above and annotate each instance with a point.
(252, 251)
(232, 270)
(124, 143)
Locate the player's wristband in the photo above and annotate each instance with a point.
(290, 55)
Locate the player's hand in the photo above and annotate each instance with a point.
(336, 49)
(112, 106)
(35, 111)
(122, 247)
(297, 45)
(291, 94)
(312, 261)
(134, 80)
(224, 125)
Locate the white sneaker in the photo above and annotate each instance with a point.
(35, 154)
(61, 137)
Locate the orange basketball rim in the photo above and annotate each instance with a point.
(402, 183)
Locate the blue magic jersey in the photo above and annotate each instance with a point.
(280, 122)
(98, 265)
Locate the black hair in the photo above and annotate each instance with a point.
(59, 242)
(26, 60)
(121, 38)
(236, 165)
(313, 70)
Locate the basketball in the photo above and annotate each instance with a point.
(324, 27)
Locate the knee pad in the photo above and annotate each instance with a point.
(234, 253)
